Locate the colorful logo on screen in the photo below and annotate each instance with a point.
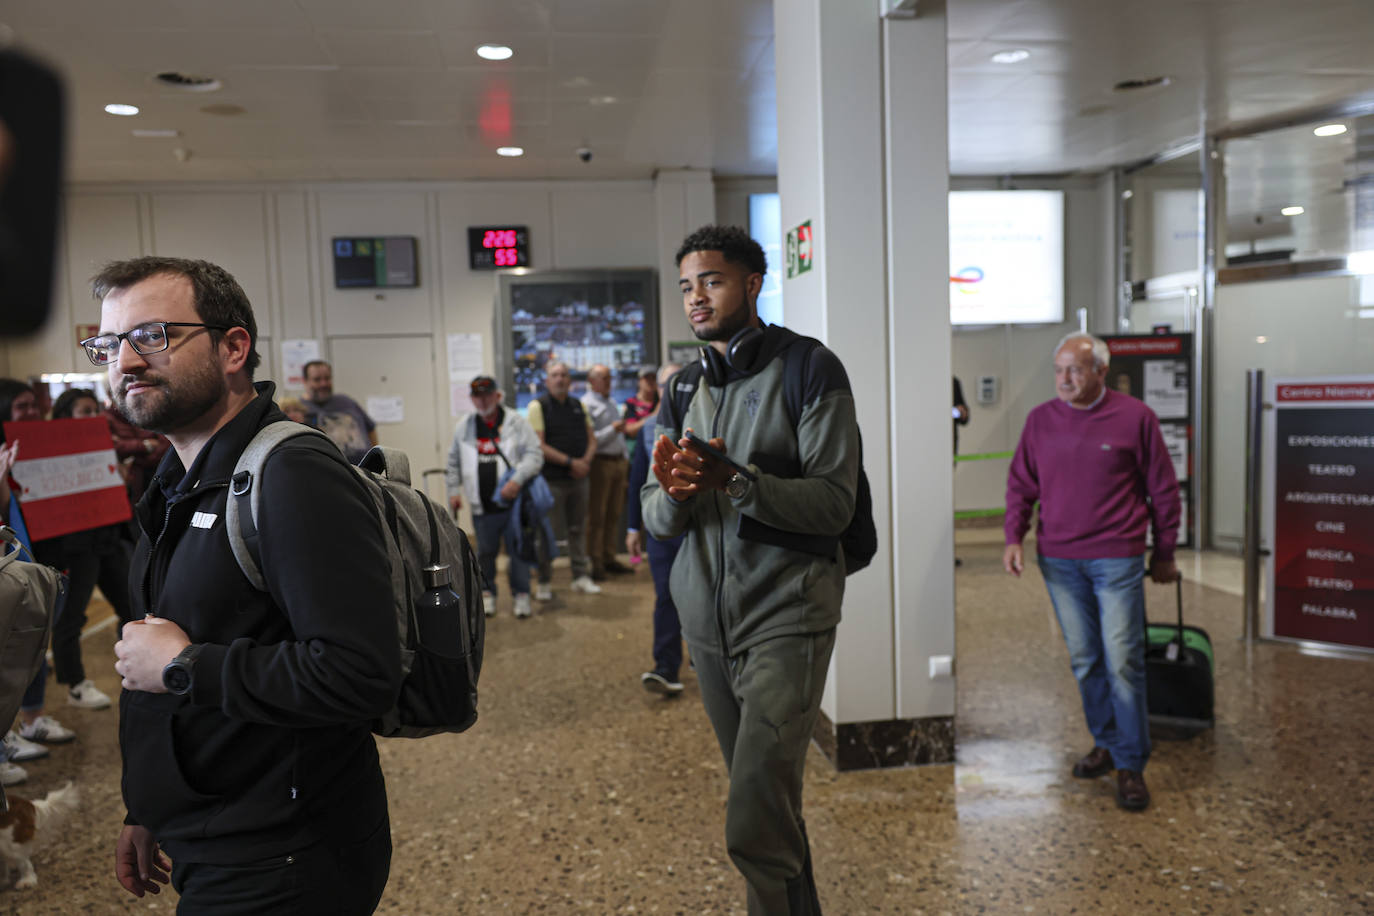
(965, 279)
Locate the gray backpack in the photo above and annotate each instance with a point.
(29, 593)
(438, 692)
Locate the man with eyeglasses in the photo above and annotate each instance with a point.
(248, 755)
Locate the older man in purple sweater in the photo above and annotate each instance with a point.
(1096, 462)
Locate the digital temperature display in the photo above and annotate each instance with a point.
(495, 247)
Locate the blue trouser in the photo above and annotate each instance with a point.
(491, 528)
(1101, 609)
(667, 627)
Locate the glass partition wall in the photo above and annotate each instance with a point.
(1289, 285)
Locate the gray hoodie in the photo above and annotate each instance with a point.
(734, 584)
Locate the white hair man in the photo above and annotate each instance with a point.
(1096, 462)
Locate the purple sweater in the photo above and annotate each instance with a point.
(1101, 475)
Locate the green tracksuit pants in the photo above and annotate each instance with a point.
(763, 706)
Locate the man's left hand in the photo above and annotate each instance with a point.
(698, 471)
(509, 490)
(145, 649)
(1163, 571)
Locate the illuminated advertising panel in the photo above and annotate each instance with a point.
(1006, 257)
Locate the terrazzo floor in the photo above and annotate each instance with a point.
(578, 792)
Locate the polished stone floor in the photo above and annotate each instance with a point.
(577, 792)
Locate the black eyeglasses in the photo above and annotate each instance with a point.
(148, 338)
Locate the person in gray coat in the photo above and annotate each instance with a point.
(760, 576)
(494, 454)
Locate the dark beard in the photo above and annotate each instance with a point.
(726, 331)
(180, 403)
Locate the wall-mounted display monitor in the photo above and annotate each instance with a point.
(494, 247)
(1006, 257)
(375, 262)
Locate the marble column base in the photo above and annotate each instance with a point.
(889, 743)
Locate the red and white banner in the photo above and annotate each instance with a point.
(1145, 346)
(68, 476)
(1325, 391)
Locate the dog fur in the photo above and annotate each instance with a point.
(25, 822)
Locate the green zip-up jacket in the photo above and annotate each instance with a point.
(768, 564)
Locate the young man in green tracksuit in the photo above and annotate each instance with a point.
(760, 576)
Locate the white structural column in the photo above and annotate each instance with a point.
(862, 155)
(685, 201)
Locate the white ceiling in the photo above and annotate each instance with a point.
(392, 89)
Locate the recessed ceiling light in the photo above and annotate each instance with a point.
(126, 111)
(1127, 194)
(1261, 339)
(1326, 130)
(1012, 56)
(1292, 211)
(510, 151)
(602, 100)
(155, 133)
(494, 52)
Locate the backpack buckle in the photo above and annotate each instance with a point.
(241, 483)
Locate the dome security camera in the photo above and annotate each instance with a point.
(584, 153)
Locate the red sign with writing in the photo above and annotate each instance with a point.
(67, 475)
(1327, 391)
(1149, 346)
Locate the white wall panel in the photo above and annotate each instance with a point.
(368, 214)
(610, 225)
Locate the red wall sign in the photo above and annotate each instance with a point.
(68, 476)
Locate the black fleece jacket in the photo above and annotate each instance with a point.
(272, 748)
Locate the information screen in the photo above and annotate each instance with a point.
(374, 262)
(496, 247)
(1006, 257)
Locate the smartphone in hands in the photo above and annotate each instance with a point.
(711, 451)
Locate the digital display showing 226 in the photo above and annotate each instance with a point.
(495, 247)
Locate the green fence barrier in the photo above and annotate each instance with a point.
(979, 513)
(984, 456)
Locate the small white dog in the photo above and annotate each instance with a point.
(25, 822)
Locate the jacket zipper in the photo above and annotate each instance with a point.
(720, 536)
(148, 605)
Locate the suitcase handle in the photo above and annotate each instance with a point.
(1178, 592)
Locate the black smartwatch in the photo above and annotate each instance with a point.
(179, 674)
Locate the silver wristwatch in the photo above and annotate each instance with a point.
(737, 487)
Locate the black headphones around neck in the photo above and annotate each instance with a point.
(740, 355)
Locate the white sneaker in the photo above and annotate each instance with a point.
(585, 585)
(489, 604)
(87, 696)
(522, 606)
(11, 774)
(47, 730)
(543, 593)
(16, 748)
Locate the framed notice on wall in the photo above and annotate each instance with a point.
(1319, 510)
(1158, 369)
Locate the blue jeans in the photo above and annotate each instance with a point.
(667, 627)
(1101, 609)
(491, 528)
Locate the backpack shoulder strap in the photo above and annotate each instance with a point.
(241, 510)
(681, 386)
(796, 367)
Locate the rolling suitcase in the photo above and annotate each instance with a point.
(1178, 675)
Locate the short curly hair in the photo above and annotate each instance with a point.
(732, 242)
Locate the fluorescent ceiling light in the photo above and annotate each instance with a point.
(510, 151)
(494, 52)
(1329, 130)
(122, 110)
(1292, 211)
(1012, 56)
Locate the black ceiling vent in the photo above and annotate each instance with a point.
(1133, 85)
(188, 82)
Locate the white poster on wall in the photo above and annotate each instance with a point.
(1166, 388)
(1176, 441)
(386, 408)
(464, 357)
(294, 355)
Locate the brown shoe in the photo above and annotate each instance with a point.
(1097, 762)
(617, 568)
(1131, 793)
